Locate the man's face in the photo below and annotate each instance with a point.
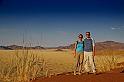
(88, 35)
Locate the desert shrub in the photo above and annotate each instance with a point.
(106, 63)
(22, 67)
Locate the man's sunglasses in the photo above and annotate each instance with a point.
(87, 34)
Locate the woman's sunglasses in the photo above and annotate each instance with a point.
(80, 37)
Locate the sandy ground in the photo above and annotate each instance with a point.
(116, 75)
(106, 77)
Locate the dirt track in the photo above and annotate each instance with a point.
(115, 75)
(105, 77)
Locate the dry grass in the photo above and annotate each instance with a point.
(24, 65)
(106, 63)
(20, 66)
(108, 59)
(110, 52)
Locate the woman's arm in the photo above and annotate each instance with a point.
(75, 46)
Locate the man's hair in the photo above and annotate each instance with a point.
(88, 32)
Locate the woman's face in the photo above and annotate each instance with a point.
(80, 37)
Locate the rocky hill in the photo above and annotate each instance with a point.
(99, 46)
(106, 45)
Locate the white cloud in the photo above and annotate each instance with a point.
(115, 28)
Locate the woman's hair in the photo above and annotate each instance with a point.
(80, 35)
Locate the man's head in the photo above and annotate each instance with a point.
(80, 36)
(88, 34)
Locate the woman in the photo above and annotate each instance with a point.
(78, 54)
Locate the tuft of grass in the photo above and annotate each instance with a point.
(106, 61)
(24, 66)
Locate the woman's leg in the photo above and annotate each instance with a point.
(81, 62)
(76, 63)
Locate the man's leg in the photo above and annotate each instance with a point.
(91, 61)
(86, 62)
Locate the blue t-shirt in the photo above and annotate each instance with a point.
(79, 46)
(88, 44)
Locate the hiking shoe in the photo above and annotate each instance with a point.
(74, 73)
(79, 73)
(87, 73)
(95, 73)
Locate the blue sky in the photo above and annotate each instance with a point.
(58, 22)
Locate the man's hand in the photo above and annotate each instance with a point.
(94, 53)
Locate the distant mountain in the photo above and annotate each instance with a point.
(109, 45)
(38, 47)
(99, 46)
(106, 45)
(63, 47)
(15, 47)
(4, 48)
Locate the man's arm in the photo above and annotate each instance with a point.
(94, 51)
(93, 47)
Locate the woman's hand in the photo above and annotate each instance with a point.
(74, 53)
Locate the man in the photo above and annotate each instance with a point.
(89, 53)
(78, 54)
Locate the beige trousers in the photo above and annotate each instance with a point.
(78, 61)
(89, 64)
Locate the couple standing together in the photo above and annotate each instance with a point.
(84, 53)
